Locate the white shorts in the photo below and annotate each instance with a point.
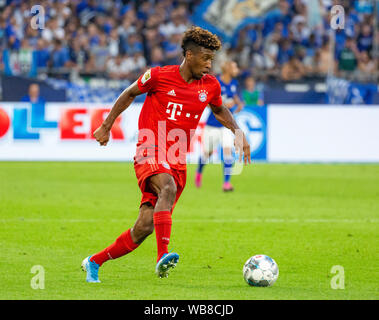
(214, 136)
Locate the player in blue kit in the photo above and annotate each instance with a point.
(214, 132)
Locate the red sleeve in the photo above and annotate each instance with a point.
(216, 99)
(148, 81)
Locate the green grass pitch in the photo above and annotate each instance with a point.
(308, 217)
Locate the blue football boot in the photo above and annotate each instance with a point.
(92, 269)
(168, 261)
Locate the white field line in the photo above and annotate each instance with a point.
(206, 220)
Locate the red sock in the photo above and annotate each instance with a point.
(123, 245)
(162, 224)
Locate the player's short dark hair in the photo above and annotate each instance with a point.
(196, 37)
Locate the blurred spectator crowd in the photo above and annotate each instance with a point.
(296, 41)
(120, 39)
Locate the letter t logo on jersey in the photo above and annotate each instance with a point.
(173, 111)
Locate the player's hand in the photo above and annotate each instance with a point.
(102, 134)
(242, 147)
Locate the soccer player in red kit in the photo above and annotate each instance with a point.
(176, 98)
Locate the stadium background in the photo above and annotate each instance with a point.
(87, 52)
(311, 95)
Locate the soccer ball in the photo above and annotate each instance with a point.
(260, 271)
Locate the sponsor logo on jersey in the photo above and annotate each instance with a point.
(174, 109)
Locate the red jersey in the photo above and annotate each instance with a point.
(171, 113)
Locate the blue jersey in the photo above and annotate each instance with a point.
(228, 91)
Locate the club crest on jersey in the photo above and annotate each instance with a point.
(146, 76)
(203, 95)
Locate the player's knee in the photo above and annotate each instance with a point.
(168, 193)
(206, 155)
(227, 152)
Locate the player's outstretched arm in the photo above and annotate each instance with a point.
(125, 99)
(225, 117)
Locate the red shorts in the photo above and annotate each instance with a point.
(146, 170)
